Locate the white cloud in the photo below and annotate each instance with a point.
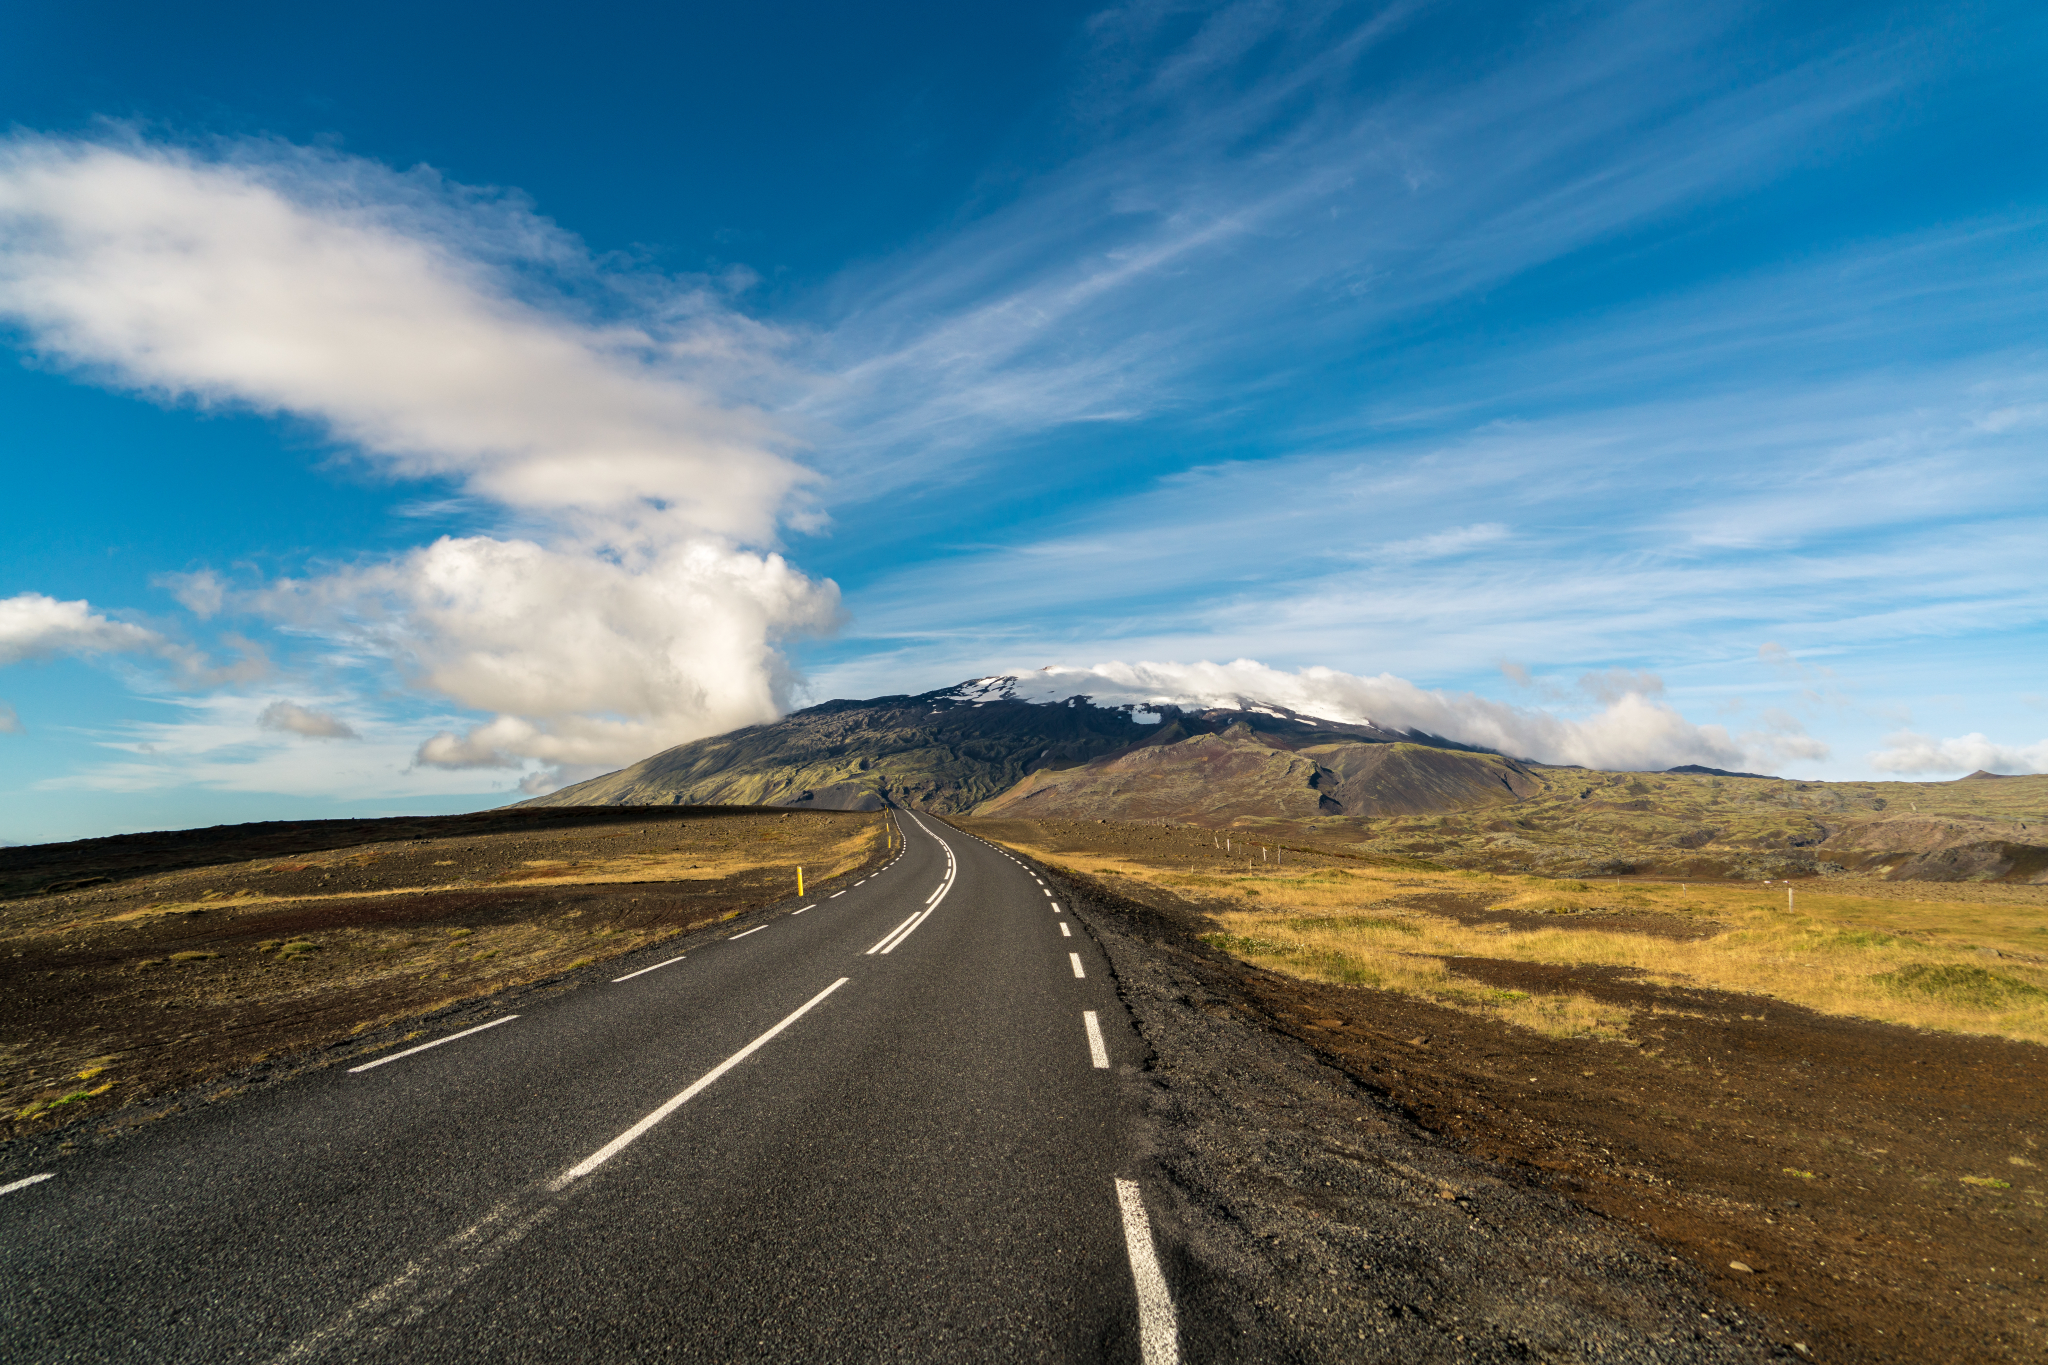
(448, 334)
(1444, 543)
(1304, 202)
(10, 723)
(294, 719)
(202, 593)
(1908, 752)
(34, 627)
(584, 660)
(332, 289)
(1632, 732)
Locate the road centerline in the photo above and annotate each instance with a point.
(697, 1087)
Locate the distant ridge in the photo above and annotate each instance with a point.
(1696, 770)
(1981, 773)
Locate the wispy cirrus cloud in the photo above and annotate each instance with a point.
(1602, 563)
(1275, 186)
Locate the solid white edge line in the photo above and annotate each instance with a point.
(371, 1066)
(891, 934)
(1158, 1336)
(744, 932)
(25, 1183)
(1098, 1051)
(1075, 958)
(697, 1087)
(645, 970)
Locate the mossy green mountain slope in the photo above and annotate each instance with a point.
(1219, 778)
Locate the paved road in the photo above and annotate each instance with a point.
(877, 1126)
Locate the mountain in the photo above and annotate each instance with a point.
(1245, 771)
(965, 747)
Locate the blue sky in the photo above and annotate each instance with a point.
(403, 412)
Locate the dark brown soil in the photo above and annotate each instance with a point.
(188, 957)
(1470, 911)
(1834, 1158)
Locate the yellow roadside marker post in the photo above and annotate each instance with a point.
(799, 883)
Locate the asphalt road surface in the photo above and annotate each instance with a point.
(879, 1125)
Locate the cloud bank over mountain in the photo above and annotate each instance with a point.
(1911, 754)
(1633, 730)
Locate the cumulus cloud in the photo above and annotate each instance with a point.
(1632, 732)
(33, 626)
(449, 334)
(291, 718)
(1907, 752)
(584, 660)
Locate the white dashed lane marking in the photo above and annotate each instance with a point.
(1098, 1051)
(1158, 1335)
(655, 968)
(370, 1066)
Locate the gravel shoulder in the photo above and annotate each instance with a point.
(1317, 1220)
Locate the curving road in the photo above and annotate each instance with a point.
(880, 1125)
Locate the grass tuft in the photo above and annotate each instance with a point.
(1970, 987)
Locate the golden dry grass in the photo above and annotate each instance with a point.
(1976, 965)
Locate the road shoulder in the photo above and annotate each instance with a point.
(1308, 1217)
